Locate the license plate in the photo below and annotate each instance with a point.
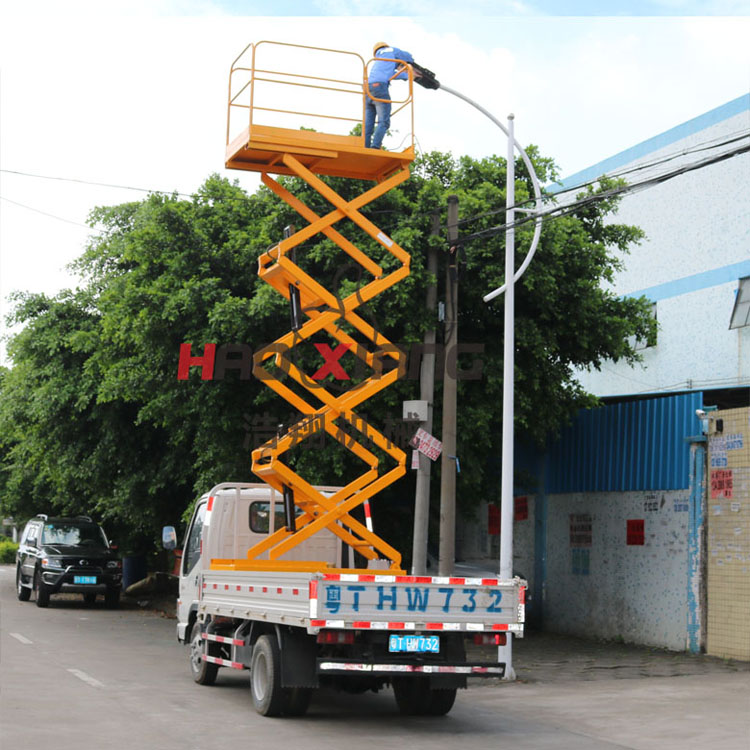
(414, 643)
(84, 579)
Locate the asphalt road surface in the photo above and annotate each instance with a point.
(80, 677)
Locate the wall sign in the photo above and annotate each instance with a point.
(722, 483)
(636, 531)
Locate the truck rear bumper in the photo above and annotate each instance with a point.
(385, 669)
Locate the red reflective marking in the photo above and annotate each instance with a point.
(499, 626)
(489, 581)
(331, 577)
(226, 587)
(317, 623)
(422, 579)
(457, 581)
(295, 592)
(210, 504)
(522, 595)
(406, 579)
(434, 626)
(279, 590)
(367, 578)
(313, 589)
(251, 588)
(396, 625)
(360, 624)
(265, 589)
(239, 588)
(216, 586)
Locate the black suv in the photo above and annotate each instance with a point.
(67, 555)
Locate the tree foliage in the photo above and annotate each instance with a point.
(93, 418)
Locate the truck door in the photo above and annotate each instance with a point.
(190, 573)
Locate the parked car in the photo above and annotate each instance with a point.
(67, 555)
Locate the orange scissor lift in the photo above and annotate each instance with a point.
(274, 87)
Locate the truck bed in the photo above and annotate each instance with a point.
(367, 601)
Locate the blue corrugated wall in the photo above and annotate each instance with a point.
(636, 445)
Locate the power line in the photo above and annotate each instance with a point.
(44, 213)
(570, 208)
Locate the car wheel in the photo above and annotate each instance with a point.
(42, 592)
(265, 677)
(111, 597)
(204, 673)
(23, 592)
(89, 598)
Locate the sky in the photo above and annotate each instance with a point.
(133, 94)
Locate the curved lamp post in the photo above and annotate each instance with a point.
(505, 653)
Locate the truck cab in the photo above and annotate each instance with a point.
(226, 522)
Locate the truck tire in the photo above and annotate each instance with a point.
(204, 673)
(441, 701)
(265, 677)
(296, 701)
(23, 592)
(414, 697)
(42, 592)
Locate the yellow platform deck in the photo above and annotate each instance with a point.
(260, 148)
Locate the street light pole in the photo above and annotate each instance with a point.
(505, 653)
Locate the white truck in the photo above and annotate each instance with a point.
(301, 628)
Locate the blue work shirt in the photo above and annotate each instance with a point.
(382, 71)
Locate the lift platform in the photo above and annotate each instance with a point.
(266, 97)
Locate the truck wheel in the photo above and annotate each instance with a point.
(42, 592)
(204, 673)
(441, 701)
(265, 677)
(23, 592)
(412, 694)
(296, 701)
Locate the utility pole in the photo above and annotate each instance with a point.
(426, 393)
(450, 373)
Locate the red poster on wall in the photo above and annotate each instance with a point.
(722, 483)
(520, 508)
(636, 531)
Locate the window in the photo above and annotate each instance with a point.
(73, 534)
(741, 313)
(259, 516)
(193, 546)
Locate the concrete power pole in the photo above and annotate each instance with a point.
(448, 457)
(427, 392)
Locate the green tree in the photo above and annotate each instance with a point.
(94, 419)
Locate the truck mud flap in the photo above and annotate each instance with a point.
(298, 654)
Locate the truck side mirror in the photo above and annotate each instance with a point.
(169, 538)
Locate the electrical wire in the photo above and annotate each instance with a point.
(44, 213)
(629, 188)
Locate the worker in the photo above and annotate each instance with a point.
(382, 72)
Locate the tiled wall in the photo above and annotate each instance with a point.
(728, 524)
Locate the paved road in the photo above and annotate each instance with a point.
(77, 677)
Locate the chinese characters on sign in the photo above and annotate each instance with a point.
(722, 483)
(427, 444)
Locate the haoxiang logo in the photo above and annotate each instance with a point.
(216, 361)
